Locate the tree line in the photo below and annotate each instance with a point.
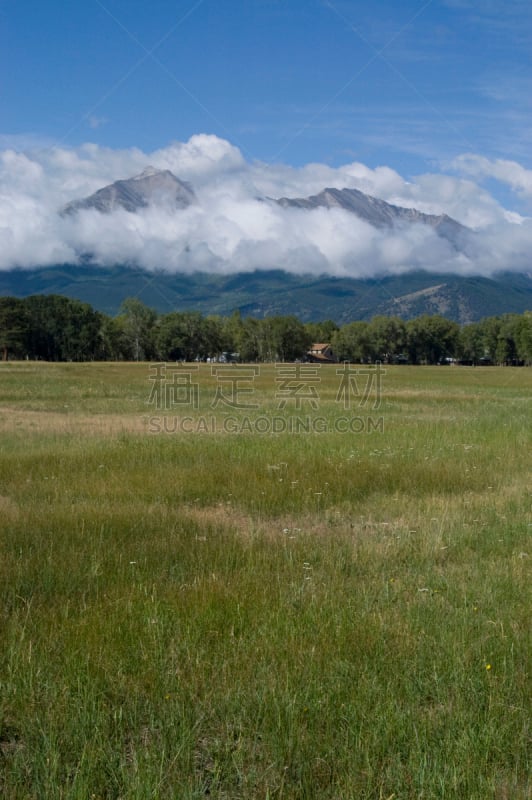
(57, 328)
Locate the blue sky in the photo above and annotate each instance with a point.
(411, 85)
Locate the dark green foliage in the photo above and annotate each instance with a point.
(60, 329)
(351, 342)
(503, 340)
(186, 335)
(57, 328)
(322, 331)
(388, 338)
(138, 325)
(14, 326)
(431, 340)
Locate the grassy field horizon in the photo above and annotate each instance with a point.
(264, 582)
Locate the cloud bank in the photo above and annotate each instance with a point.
(233, 229)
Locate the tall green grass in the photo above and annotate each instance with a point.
(264, 616)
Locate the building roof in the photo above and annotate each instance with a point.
(321, 351)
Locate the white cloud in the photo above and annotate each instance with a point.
(510, 173)
(231, 229)
(203, 158)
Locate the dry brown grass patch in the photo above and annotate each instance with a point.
(236, 520)
(9, 509)
(14, 420)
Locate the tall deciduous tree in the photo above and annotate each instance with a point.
(290, 340)
(471, 345)
(321, 332)
(387, 336)
(13, 328)
(523, 335)
(187, 336)
(62, 329)
(139, 324)
(351, 342)
(431, 339)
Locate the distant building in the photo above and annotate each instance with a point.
(321, 353)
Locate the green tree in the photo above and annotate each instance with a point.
(232, 332)
(351, 342)
(471, 345)
(289, 338)
(116, 345)
(490, 327)
(139, 327)
(62, 329)
(187, 335)
(322, 332)
(387, 337)
(523, 336)
(256, 340)
(431, 339)
(13, 328)
(281, 338)
(507, 348)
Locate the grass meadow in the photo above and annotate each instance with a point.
(193, 608)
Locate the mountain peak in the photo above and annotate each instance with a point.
(152, 187)
(149, 172)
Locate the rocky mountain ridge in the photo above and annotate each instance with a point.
(152, 186)
(381, 214)
(158, 187)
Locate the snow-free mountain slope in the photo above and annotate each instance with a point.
(266, 293)
(152, 186)
(379, 213)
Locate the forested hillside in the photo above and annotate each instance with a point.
(266, 293)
